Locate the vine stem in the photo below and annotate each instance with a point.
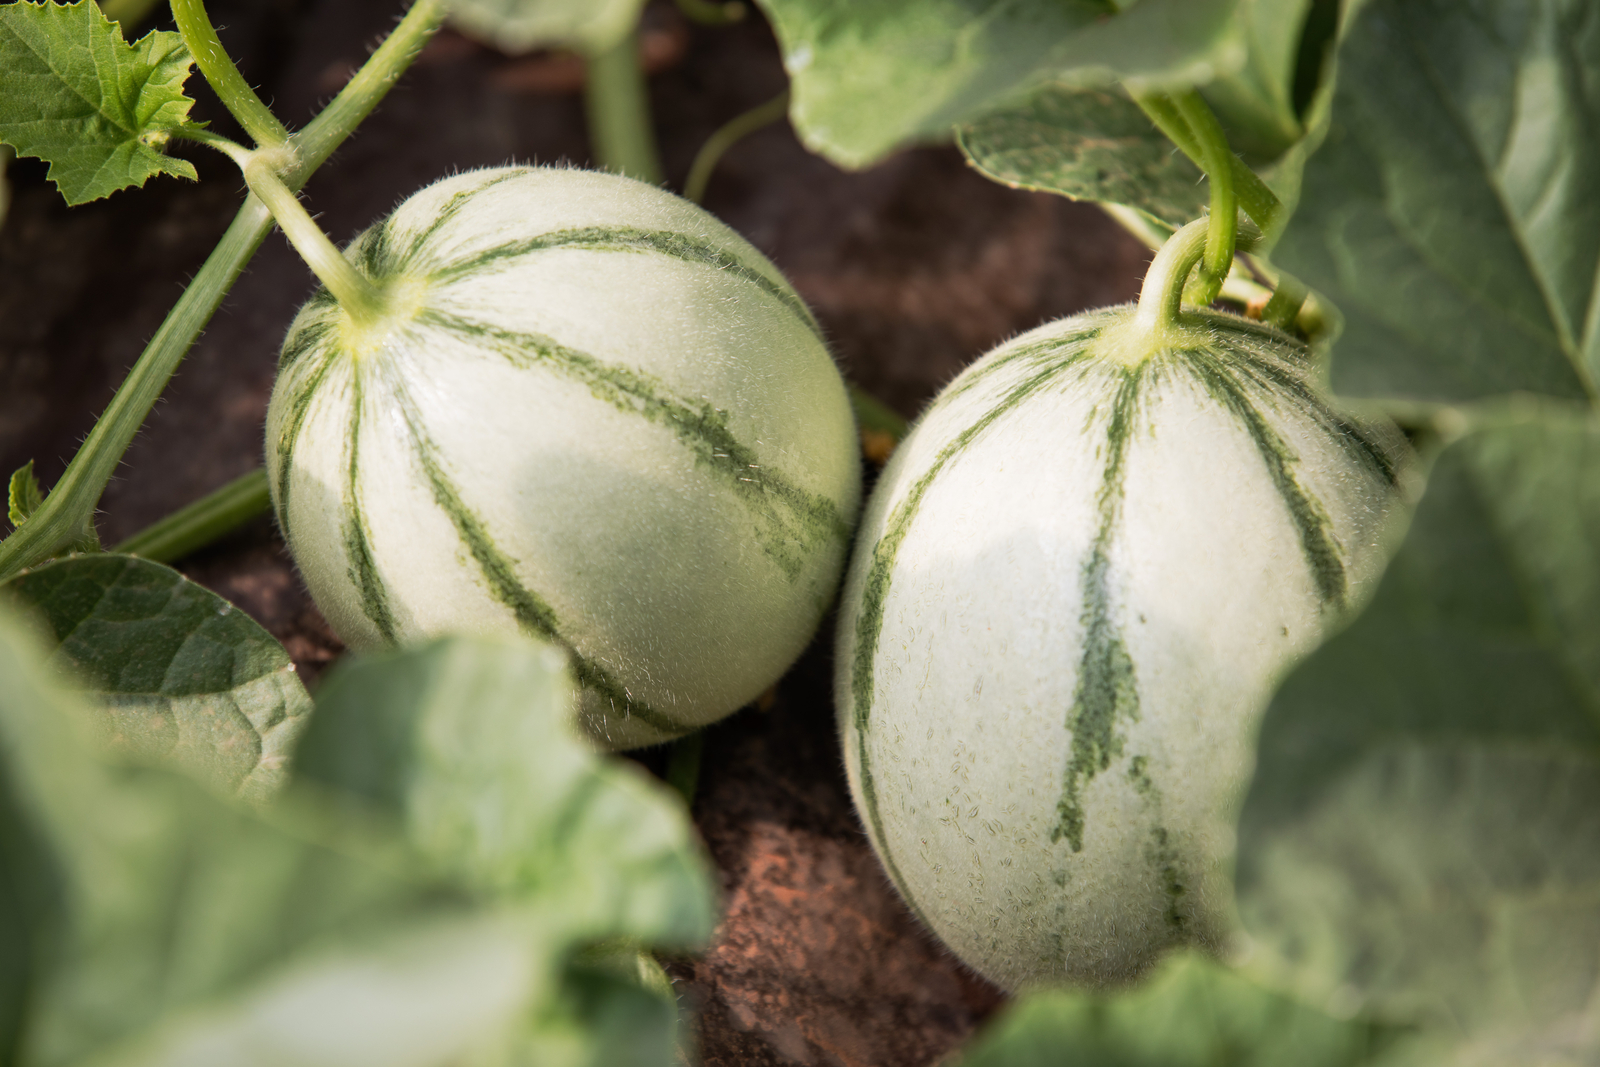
(1223, 225)
(66, 517)
(358, 297)
(619, 112)
(1161, 298)
(212, 516)
(1255, 198)
(236, 95)
(726, 136)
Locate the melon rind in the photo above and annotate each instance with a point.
(602, 418)
(1074, 588)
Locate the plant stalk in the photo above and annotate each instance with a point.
(1255, 198)
(358, 297)
(618, 109)
(66, 517)
(214, 515)
(1161, 298)
(1223, 229)
(219, 69)
(728, 135)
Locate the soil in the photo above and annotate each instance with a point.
(914, 267)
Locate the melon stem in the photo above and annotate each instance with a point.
(1162, 295)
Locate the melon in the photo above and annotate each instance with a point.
(1074, 588)
(590, 412)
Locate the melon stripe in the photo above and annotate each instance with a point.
(796, 522)
(417, 247)
(363, 569)
(1309, 518)
(1357, 441)
(875, 593)
(307, 338)
(299, 405)
(1107, 691)
(499, 571)
(630, 239)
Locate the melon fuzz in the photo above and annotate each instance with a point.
(1074, 589)
(590, 412)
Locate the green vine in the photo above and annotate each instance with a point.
(65, 519)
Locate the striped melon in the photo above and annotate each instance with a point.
(1073, 589)
(593, 413)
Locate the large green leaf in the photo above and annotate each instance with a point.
(1453, 212)
(469, 745)
(182, 675)
(1089, 144)
(870, 77)
(1097, 144)
(1192, 1012)
(522, 25)
(165, 925)
(98, 109)
(1422, 837)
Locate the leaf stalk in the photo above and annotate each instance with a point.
(1223, 224)
(618, 109)
(219, 69)
(66, 517)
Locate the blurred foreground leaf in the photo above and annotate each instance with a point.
(871, 77)
(1451, 213)
(1422, 837)
(97, 109)
(149, 921)
(1192, 1012)
(184, 677)
(468, 745)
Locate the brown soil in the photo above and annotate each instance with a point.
(914, 267)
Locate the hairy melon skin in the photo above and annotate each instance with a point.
(593, 413)
(1074, 588)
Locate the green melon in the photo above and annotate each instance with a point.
(1074, 588)
(591, 412)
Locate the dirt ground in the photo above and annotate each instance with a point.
(914, 268)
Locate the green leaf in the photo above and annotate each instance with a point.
(1097, 144)
(183, 677)
(1192, 1012)
(25, 494)
(870, 77)
(469, 745)
(165, 925)
(98, 109)
(516, 26)
(1088, 144)
(1422, 837)
(1452, 212)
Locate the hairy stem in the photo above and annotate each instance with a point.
(241, 100)
(618, 108)
(214, 515)
(730, 134)
(1162, 295)
(356, 295)
(66, 517)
